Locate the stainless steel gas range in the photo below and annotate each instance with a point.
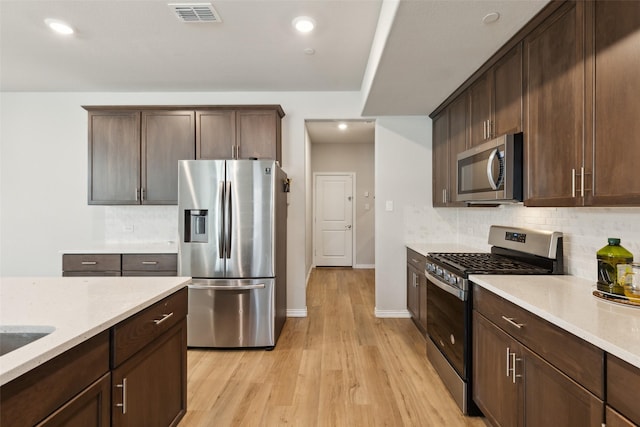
(514, 251)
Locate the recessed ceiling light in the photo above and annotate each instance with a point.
(59, 26)
(309, 51)
(342, 126)
(304, 24)
(490, 18)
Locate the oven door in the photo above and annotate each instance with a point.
(448, 317)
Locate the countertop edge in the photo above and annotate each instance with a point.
(39, 359)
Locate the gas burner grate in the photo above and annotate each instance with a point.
(487, 263)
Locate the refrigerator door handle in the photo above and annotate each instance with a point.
(228, 222)
(221, 187)
(228, 288)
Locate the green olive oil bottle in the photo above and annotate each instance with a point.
(608, 259)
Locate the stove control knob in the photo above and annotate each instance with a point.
(446, 276)
(430, 267)
(438, 271)
(453, 280)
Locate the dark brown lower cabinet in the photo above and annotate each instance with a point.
(91, 408)
(513, 386)
(150, 387)
(417, 289)
(615, 419)
(134, 374)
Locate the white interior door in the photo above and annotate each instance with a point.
(333, 220)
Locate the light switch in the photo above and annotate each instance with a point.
(366, 194)
(389, 206)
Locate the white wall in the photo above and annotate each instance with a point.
(403, 177)
(43, 178)
(357, 158)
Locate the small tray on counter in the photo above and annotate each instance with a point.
(618, 299)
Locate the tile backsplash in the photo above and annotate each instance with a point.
(585, 230)
(141, 224)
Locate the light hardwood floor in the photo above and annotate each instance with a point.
(340, 366)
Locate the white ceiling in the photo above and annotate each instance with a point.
(327, 131)
(405, 56)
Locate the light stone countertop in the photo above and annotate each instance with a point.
(169, 247)
(425, 248)
(567, 302)
(77, 307)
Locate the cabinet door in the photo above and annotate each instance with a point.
(553, 399)
(149, 389)
(167, 137)
(480, 110)
(215, 134)
(458, 136)
(88, 409)
(507, 93)
(114, 157)
(615, 419)
(617, 84)
(440, 159)
(494, 389)
(413, 293)
(554, 73)
(258, 134)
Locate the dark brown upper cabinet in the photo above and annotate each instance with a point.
(167, 137)
(114, 157)
(244, 133)
(449, 139)
(495, 99)
(614, 64)
(133, 155)
(554, 109)
(134, 150)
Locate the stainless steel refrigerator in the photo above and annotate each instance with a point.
(232, 226)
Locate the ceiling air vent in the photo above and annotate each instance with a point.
(195, 12)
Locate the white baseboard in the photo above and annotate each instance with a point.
(297, 312)
(395, 314)
(365, 266)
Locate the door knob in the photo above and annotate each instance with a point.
(348, 227)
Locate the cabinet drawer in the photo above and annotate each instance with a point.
(578, 359)
(131, 335)
(417, 260)
(623, 388)
(91, 262)
(149, 262)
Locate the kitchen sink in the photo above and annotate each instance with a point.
(13, 337)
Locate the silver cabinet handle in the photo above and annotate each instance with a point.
(149, 262)
(123, 405)
(573, 183)
(510, 320)
(513, 366)
(508, 367)
(444, 195)
(484, 129)
(582, 181)
(164, 317)
(142, 191)
(89, 262)
(489, 130)
(137, 194)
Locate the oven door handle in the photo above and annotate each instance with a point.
(456, 292)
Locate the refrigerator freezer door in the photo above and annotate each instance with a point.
(231, 313)
(200, 196)
(252, 219)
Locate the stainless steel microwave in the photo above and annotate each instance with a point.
(491, 172)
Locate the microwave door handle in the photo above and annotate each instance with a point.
(495, 184)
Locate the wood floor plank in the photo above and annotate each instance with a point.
(340, 366)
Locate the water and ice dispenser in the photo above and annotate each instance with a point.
(196, 222)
